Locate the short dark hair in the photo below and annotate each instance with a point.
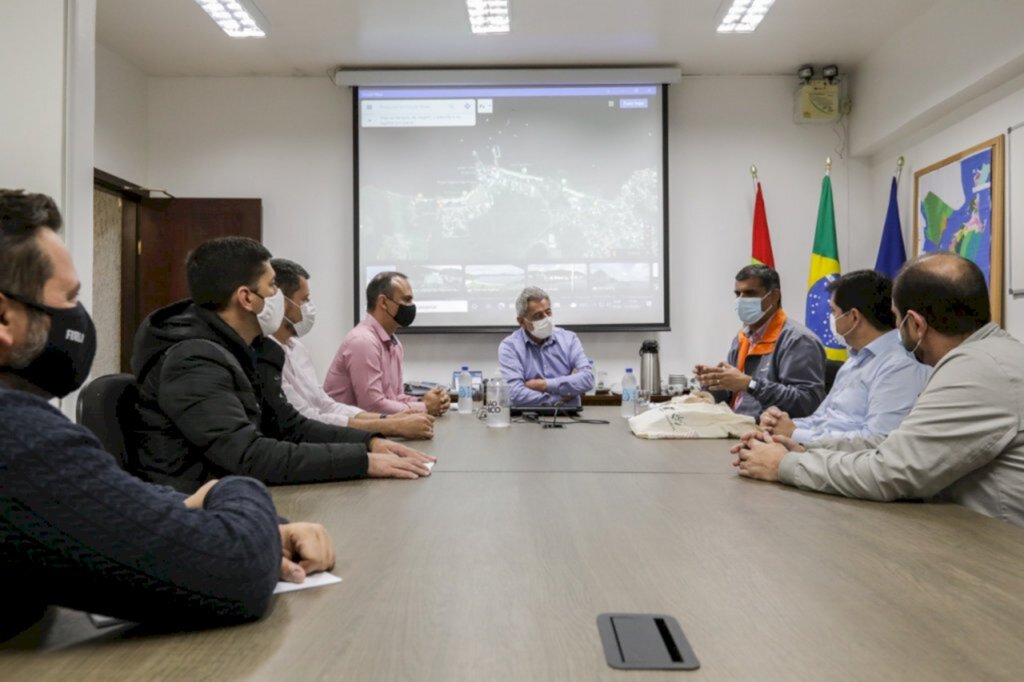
(382, 283)
(218, 267)
(24, 268)
(768, 277)
(868, 291)
(949, 291)
(288, 274)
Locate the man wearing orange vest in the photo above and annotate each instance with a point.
(774, 360)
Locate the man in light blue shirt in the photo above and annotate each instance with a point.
(543, 364)
(875, 389)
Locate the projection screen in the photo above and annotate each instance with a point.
(477, 191)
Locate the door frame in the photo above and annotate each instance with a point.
(131, 194)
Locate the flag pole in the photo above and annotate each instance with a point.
(899, 169)
(828, 165)
(753, 175)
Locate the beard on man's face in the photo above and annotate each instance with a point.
(35, 341)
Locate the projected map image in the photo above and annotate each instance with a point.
(563, 192)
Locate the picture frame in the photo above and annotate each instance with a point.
(958, 208)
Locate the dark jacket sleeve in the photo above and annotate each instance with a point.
(800, 369)
(89, 536)
(198, 394)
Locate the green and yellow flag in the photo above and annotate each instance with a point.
(824, 269)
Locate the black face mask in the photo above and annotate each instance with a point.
(405, 314)
(65, 361)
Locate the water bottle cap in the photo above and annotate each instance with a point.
(465, 368)
(629, 370)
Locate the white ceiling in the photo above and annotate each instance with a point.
(309, 37)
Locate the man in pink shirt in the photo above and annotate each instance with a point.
(367, 369)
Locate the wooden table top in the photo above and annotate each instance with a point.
(499, 573)
(464, 443)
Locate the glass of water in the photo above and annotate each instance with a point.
(643, 400)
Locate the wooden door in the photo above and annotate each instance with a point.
(166, 230)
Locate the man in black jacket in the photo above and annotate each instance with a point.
(203, 411)
(77, 531)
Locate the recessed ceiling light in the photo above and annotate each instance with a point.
(741, 16)
(237, 18)
(488, 16)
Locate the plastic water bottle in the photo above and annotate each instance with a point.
(497, 402)
(593, 373)
(628, 393)
(465, 391)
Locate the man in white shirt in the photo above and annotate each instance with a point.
(299, 380)
(875, 389)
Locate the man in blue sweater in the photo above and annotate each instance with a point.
(77, 531)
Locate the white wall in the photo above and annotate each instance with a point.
(288, 141)
(32, 96)
(47, 103)
(121, 108)
(953, 53)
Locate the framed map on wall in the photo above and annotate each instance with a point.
(958, 208)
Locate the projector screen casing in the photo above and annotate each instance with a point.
(421, 326)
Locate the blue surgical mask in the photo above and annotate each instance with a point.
(749, 309)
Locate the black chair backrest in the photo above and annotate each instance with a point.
(104, 405)
(831, 369)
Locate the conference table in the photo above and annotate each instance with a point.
(497, 566)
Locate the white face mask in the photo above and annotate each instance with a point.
(305, 325)
(542, 328)
(899, 336)
(272, 315)
(832, 319)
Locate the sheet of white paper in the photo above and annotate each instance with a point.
(105, 621)
(315, 580)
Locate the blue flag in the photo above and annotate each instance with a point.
(891, 254)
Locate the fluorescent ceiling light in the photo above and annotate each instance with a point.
(237, 18)
(488, 16)
(741, 16)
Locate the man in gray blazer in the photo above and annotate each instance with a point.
(963, 441)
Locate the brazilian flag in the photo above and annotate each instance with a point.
(824, 269)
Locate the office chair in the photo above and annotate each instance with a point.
(831, 369)
(103, 406)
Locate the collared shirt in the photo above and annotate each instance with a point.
(522, 359)
(302, 387)
(962, 441)
(873, 391)
(367, 371)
